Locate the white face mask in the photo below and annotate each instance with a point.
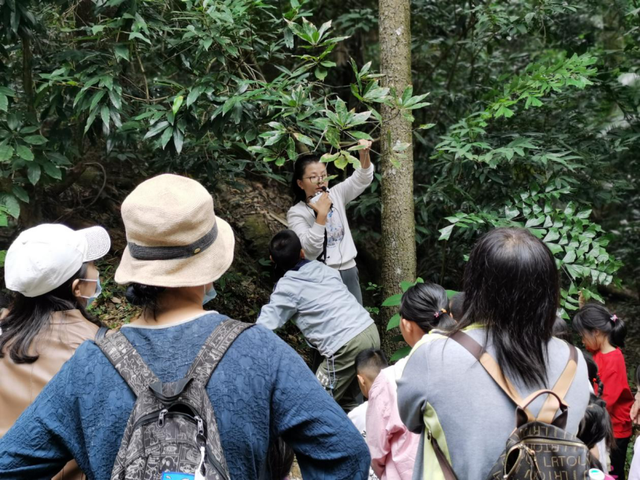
(96, 294)
(209, 295)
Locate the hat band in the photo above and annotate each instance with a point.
(140, 252)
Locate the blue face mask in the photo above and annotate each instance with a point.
(96, 294)
(209, 295)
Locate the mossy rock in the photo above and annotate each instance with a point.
(256, 231)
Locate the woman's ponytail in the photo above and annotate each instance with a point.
(426, 304)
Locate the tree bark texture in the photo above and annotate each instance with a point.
(398, 220)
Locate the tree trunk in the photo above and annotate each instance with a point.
(27, 72)
(398, 221)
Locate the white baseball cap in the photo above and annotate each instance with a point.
(44, 257)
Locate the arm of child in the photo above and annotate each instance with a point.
(380, 429)
(279, 310)
(311, 237)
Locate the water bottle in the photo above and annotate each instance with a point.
(596, 474)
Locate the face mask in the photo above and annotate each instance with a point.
(209, 295)
(96, 294)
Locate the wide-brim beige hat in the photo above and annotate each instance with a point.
(174, 238)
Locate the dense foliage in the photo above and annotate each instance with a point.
(532, 117)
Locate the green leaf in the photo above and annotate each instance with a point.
(166, 136)
(178, 140)
(35, 140)
(329, 157)
(25, 153)
(159, 127)
(400, 354)
(121, 51)
(6, 152)
(303, 139)
(360, 135)
(33, 173)
(291, 149)
(177, 103)
(392, 301)
(333, 137)
(194, 94)
(20, 193)
(96, 99)
(394, 322)
(4, 103)
(10, 204)
(51, 170)
(445, 232)
(320, 73)
(104, 115)
(58, 158)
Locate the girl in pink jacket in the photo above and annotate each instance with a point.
(393, 448)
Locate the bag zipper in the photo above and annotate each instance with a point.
(202, 430)
(546, 441)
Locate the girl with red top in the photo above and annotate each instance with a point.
(603, 335)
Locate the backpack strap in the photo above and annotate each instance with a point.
(492, 368)
(128, 362)
(445, 466)
(100, 334)
(214, 349)
(551, 404)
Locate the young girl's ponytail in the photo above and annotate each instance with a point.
(594, 316)
(618, 332)
(426, 304)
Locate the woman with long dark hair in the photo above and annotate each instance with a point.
(319, 215)
(511, 290)
(50, 268)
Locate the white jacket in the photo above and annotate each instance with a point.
(341, 251)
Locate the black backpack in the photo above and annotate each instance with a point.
(172, 427)
(539, 448)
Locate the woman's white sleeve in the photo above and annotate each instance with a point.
(311, 237)
(353, 186)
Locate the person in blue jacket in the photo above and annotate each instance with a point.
(260, 391)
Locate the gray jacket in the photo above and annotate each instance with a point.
(319, 303)
(468, 413)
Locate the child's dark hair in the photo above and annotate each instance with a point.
(456, 306)
(561, 329)
(280, 459)
(371, 359)
(426, 304)
(592, 371)
(298, 172)
(595, 317)
(596, 424)
(285, 250)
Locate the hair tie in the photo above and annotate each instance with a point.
(437, 314)
(614, 318)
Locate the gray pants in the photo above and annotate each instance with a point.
(351, 279)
